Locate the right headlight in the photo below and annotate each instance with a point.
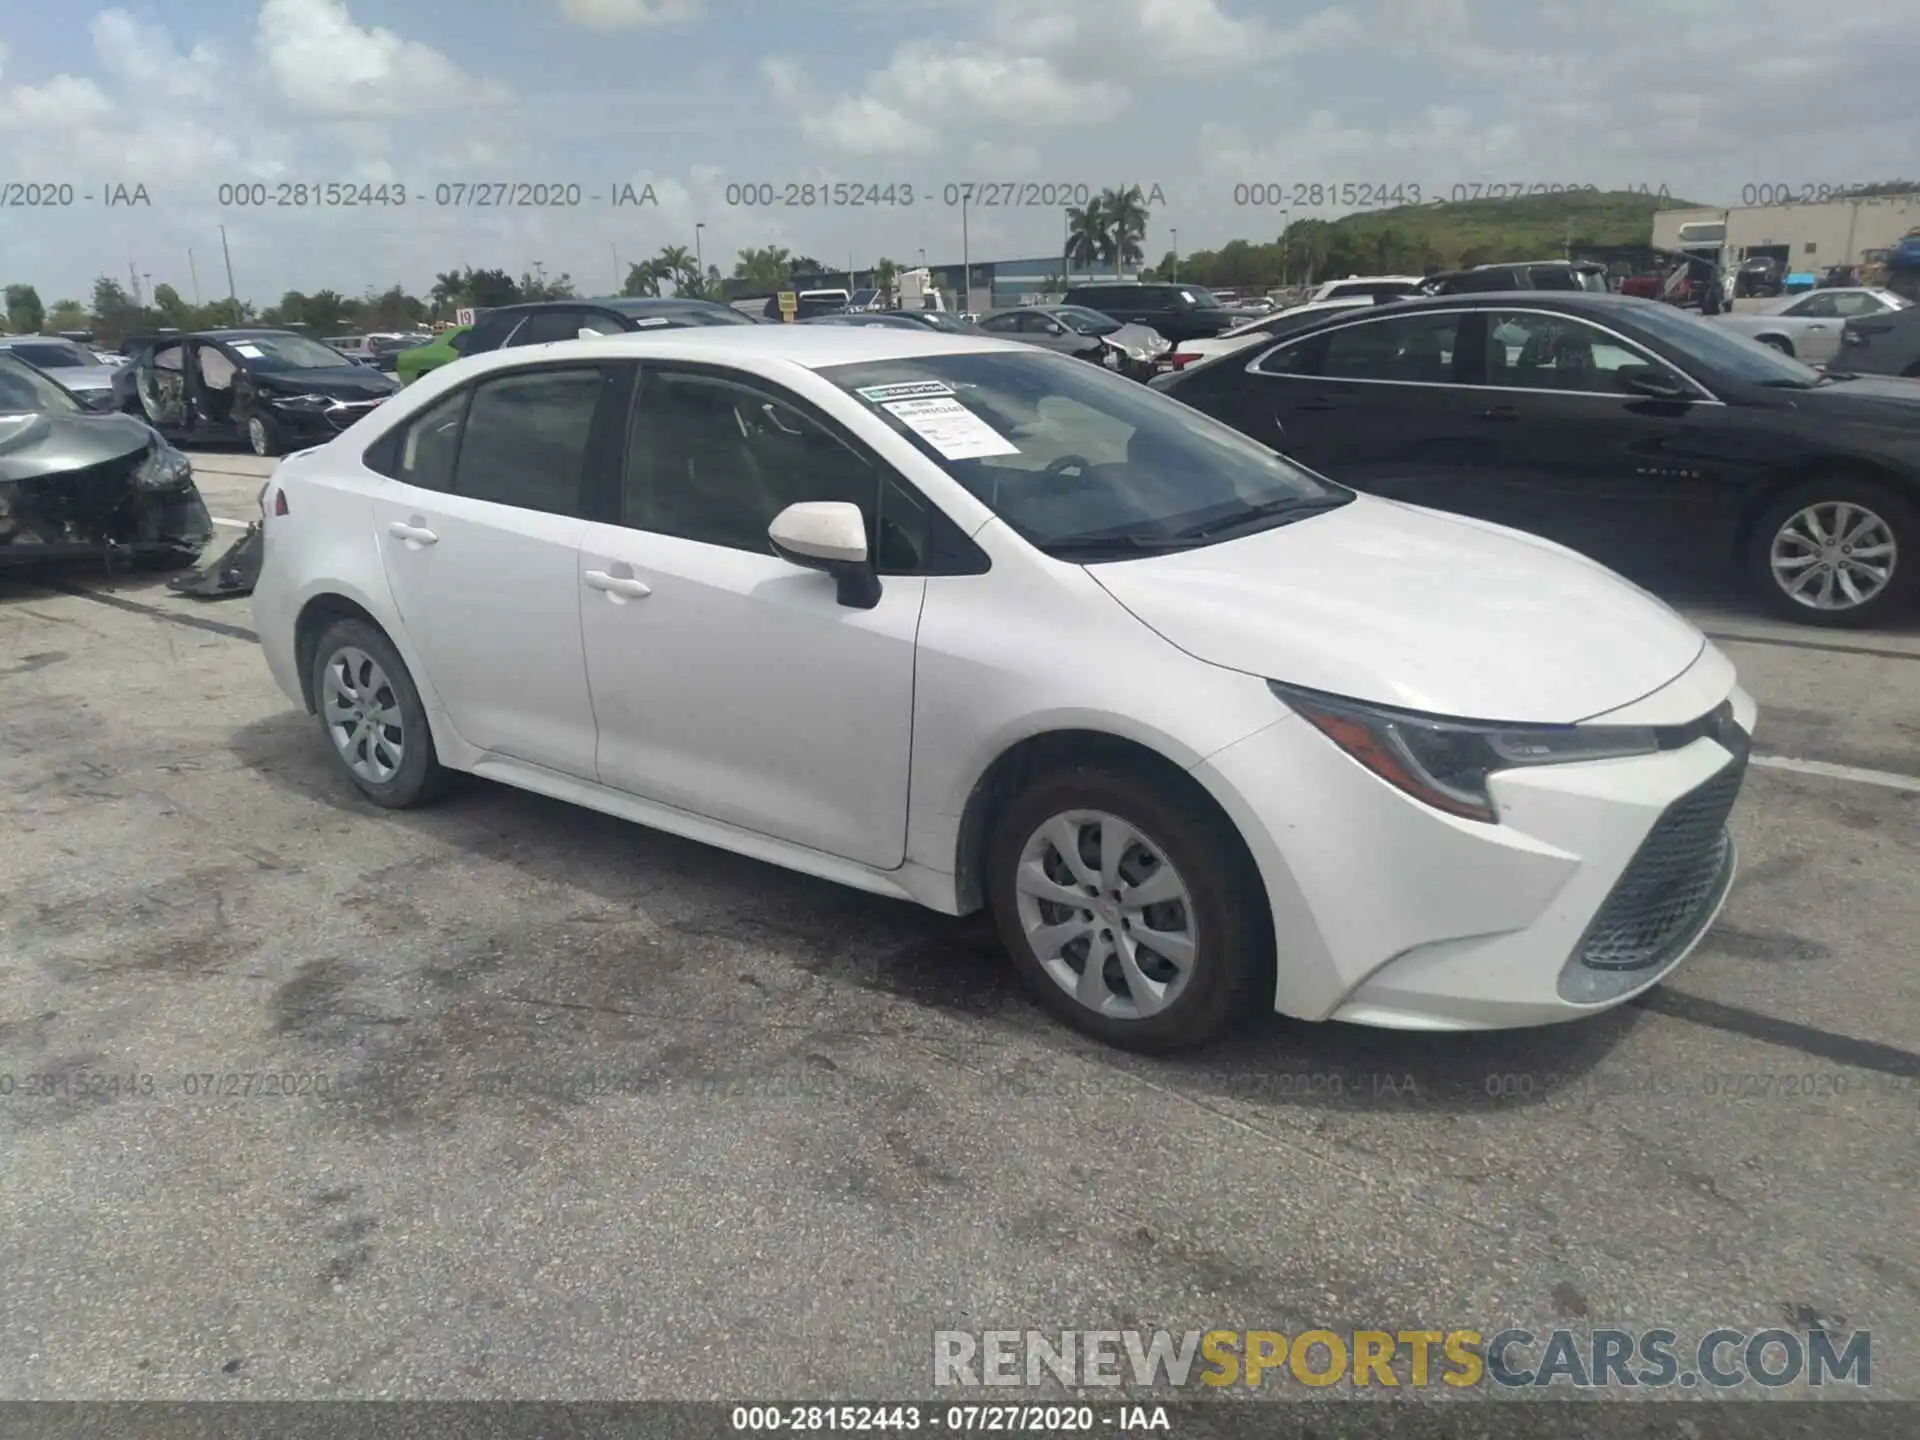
(1447, 763)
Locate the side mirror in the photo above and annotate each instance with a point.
(829, 536)
(1650, 381)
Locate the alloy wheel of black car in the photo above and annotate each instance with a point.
(1837, 551)
(263, 436)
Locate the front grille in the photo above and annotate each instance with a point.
(1673, 879)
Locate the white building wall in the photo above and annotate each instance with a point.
(1837, 233)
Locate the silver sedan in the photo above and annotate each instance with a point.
(1808, 326)
(73, 365)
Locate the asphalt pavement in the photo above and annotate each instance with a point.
(505, 1099)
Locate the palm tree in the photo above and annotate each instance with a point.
(764, 268)
(643, 279)
(675, 263)
(1126, 214)
(885, 272)
(1087, 233)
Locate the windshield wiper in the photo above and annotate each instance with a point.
(1277, 511)
(1084, 547)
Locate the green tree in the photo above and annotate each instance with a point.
(115, 316)
(1125, 213)
(885, 273)
(764, 269)
(173, 311)
(533, 287)
(68, 315)
(643, 279)
(25, 313)
(1088, 232)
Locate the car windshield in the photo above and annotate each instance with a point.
(1083, 321)
(1719, 349)
(1592, 280)
(286, 352)
(23, 389)
(1199, 297)
(1083, 464)
(51, 355)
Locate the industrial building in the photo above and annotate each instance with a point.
(1804, 237)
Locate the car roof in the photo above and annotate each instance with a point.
(249, 333)
(39, 340)
(812, 347)
(626, 304)
(1587, 302)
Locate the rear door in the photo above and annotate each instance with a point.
(1375, 403)
(480, 531)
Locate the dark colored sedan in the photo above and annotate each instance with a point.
(544, 321)
(1643, 436)
(1884, 344)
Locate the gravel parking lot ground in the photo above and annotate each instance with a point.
(584, 1111)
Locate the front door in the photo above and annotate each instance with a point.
(480, 530)
(160, 382)
(1567, 451)
(728, 682)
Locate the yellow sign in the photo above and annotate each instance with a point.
(789, 306)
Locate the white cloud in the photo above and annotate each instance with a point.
(143, 59)
(625, 14)
(324, 63)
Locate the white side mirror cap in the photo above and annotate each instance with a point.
(832, 532)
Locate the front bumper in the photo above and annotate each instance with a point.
(323, 422)
(1599, 880)
(100, 514)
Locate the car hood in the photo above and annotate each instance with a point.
(85, 377)
(343, 382)
(1135, 336)
(1875, 399)
(1403, 606)
(34, 444)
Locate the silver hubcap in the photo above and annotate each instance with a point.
(257, 434)
(1107, 916)
(363, 715)
(1834, 556)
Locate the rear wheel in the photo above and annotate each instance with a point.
(1837, 551)
(1131, 909)
(373, 718)
(1785, 347)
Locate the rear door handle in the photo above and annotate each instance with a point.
(1318, 406)
(1497, 412)
(619, 587)
(415, 535)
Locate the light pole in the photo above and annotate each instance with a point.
(194, 271)
(966, 254)
(699, 257)
(233, 296)
(619, 275)
(1176, 255)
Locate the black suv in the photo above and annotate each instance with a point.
(1520, 275)
(544, 321)
(1178, 312)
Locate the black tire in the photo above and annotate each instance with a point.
(270, 440)
(420, 777)
(1232, 978)
(1775, 342)
(1901, 515)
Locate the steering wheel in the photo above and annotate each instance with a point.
(1064, 463)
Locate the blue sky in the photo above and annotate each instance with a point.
(691, 96)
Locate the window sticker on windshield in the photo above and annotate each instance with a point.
(915, 390)
(651, 322)
(252, 352)
(952, 429)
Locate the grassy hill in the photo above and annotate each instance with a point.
(1410, 239)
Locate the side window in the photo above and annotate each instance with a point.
(170, 357)
(1001, 324)
(1530, 350)
(423, 452)
(1411, 349)
(1857, 302)
(603, 323)
(548, 326)
(1300, 357)
(525, 440)
(906, 531)
(1814, 307)
(713, 461)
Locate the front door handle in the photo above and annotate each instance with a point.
(414, 535)
(1497, 412)
(1317, 406)
(619, 588)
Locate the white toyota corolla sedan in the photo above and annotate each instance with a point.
(970, 624)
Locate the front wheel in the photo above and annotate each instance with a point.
(1774, 342)
(1837, 551)
(1131, 909)
(264, 435)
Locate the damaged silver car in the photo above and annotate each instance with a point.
(78, 484)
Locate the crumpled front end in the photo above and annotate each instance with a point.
(139, 507)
